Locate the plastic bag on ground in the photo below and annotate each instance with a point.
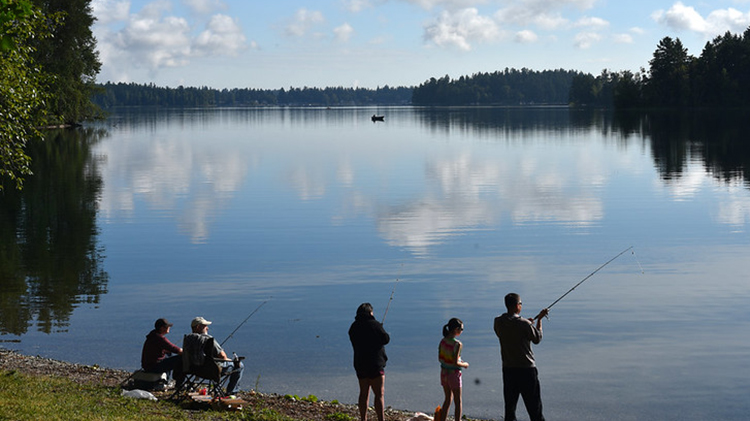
(419, 416)
(139, 394)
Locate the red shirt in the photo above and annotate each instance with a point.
(155, 349)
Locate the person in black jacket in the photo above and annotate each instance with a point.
(368, 340)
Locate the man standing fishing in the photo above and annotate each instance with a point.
(368, 340)
(520, 376)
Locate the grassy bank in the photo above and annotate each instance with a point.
(36, 388)
(27, 397)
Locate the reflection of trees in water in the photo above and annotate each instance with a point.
(726, 145)
(49, 258)
(718, 138)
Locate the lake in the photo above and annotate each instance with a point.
(430, 214)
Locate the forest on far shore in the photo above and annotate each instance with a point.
(133, 94)
(719, 77)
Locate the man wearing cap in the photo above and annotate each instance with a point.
(199, 325)
(520, 375)
(154, 355)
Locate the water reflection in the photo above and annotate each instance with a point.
(715, 138)
(213, 210)
(158, 161)
(171, 166)
(50, 260)
(692, 151)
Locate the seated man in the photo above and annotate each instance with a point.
(199, 326)
(156, 348)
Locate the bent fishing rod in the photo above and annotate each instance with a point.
(243, 322)
(592, 274)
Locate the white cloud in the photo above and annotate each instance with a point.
(685, 18)
(522, 17)
(378, 40)
(623, 38)
(592, 22)
(356, 6)
(222, 34)
(549, 21)
(446, 4)
(304, 20)
(681, 17)
(107, 11)
(343, 33)
(585, 40)
(525, 37)
(545, 14)
(155, 39)
(205, 7)
(728, 20)
(160, 42)
(460, 29)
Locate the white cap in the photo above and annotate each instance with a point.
(199, 321)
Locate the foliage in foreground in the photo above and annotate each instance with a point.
(22, 96)
(70, 56)
(49, 63)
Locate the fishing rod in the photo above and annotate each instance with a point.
(592, 274)
(393, 291)
(243, 322)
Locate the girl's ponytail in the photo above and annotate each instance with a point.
(451, 326)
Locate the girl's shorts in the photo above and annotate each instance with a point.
(450, 378)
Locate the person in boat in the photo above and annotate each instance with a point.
(520, 375)
(159, 354)
(199, 326)
(368, 338)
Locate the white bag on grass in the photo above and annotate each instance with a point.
(139, 394)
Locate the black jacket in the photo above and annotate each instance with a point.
(368, 340)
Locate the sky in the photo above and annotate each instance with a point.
(272, 44)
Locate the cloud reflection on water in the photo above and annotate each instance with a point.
(190, 180)
(460, 189)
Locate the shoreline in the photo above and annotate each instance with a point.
(298, 409)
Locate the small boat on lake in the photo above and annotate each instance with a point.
(378, 118)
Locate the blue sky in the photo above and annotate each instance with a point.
(269, 44)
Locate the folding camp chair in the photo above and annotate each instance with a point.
(200, 369)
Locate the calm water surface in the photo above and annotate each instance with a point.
(212, 212)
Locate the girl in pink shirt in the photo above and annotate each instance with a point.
(449, 355)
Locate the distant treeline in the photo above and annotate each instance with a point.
(719, 77)
(507, 87)
(132, 94)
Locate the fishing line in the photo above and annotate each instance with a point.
(243, 322)
(638, 261)
(393, 291)
(592, 274)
